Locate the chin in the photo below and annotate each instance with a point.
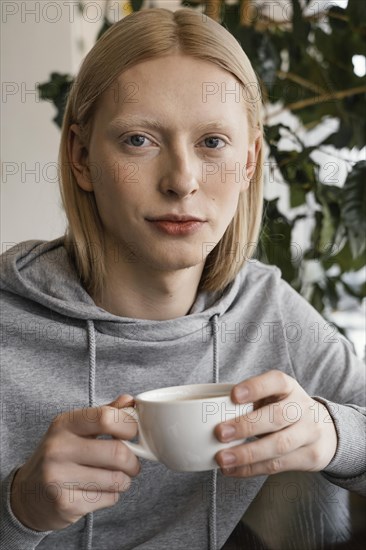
(175, 264)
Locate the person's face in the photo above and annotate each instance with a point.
(191, 160)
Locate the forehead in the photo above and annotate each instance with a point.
(177, 86)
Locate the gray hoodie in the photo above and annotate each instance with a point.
(61, 352)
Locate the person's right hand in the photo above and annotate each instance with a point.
(71, 472)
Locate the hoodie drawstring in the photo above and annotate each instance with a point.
(88, 530)
(92, 362)
(213, 473)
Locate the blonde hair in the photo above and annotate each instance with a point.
(142, 35)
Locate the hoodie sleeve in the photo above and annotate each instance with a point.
(13, 534)
(348, 466)
(325, 365)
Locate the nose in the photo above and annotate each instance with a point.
(179, 178)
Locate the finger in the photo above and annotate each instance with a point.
(270, 418)
(299, 460)
(93, 421)
(121, 401)
(94, 500)
(79, 503)
(111, 454)
(271, 383)
(99, 480)
(272, 446)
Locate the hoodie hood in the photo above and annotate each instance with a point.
(42, 271)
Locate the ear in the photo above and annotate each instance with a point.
(252, 157)
(78, 158)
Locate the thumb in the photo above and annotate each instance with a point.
(123, 401)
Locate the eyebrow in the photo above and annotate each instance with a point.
(128, 120)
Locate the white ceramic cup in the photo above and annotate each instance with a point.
(176, 424)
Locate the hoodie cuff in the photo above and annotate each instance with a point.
(348, 462)
(13, 534)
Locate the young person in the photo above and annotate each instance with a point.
(135, 297)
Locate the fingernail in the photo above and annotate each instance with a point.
(227, 432)
(228, 458)
(241, 394)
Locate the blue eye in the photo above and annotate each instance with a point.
(138, 142)
(214, 140)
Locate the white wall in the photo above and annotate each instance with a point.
(31, 48)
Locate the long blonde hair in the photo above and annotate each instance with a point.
(142, 35)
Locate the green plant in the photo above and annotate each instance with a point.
(308, 57)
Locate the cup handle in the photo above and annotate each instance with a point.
(140, 448)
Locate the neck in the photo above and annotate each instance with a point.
(141, 292)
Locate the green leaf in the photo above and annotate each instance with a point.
(357, 292)
(327, 229)
(317, 297)
(331, 291)
(345, 260)
(261, 51)
(356, 12)
(353, 208)
(328, 219)
(297, 168)
(301, 27)
(56, 91)
(275, 241)
(136, 4)
(297, 196)
(231, 19)
(106, 25)
(272, 133)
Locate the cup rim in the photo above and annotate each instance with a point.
(210, 386)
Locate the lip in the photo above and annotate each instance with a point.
(179, 228)
(176, 218)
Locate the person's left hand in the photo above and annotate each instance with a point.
(295, 432)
